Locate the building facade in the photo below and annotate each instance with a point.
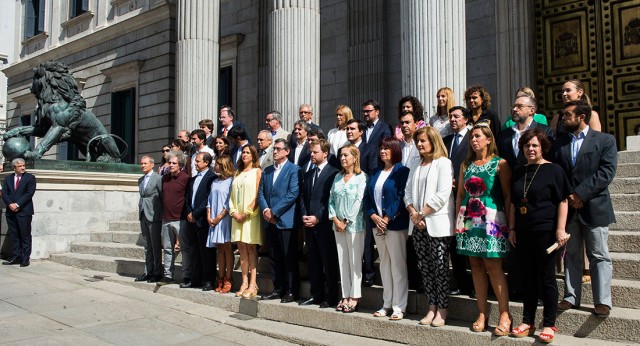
(149, 68)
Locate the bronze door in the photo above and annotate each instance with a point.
(598, 42)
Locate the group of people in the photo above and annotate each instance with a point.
(456, 188)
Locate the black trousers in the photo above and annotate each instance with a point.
(539, 280)
(283, 255)
(191, 259)
(322, 261)
(368, 267)
(207, 255)
(459, 265)
(20, 234)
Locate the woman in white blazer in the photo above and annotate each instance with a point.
(430, 204)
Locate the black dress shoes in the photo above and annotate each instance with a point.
(25, 264)
(12, 262)
(309, 301)
(165, 281)
(143, 277)
(207, 286)
(325, 305)
(367, 283)
(154, 279)
(288, 298)
(271, 296)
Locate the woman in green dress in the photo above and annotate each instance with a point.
(481, 226)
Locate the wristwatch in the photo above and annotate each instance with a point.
(421, 213)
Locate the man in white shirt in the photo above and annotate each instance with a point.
(198, 138)
(300, 153)
(239, 139)
(410, 155)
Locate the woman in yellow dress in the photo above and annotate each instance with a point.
(245, 214)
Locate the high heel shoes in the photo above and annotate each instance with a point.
(226, 288)
(242, 289)
(479, 325)
(503, 328)
(219, 285)
(250, 294)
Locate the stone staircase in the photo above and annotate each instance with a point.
(118, 251)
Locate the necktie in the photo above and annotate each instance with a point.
(17, 182)
(315, 177)
(224, 132)
(456, 143)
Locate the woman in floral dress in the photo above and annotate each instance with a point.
(482, 227)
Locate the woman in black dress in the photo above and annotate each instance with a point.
(538, 217)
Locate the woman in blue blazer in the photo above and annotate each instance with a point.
(384, 205)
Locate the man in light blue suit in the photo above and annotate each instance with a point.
(277, 196)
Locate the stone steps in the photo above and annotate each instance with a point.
(628, 157)
(626, 221)
(127, 225)
(625, 186)
(626, 201)
(577, 327)
(122, 237)
(623, 241)
(109, 249)
(625, 265)
(626, 170)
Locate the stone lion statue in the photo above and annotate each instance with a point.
(61, 115)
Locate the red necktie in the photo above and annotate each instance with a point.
(17, 182)
(224, 133)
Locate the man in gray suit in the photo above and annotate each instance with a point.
(150, 213)
(589, 158)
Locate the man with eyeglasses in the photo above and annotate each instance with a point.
(265, 149)
(305, 111)
(273, 121)
(174, 218)
(227, 121)
(376, 128)
(522, 112)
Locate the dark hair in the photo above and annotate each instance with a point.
(226, 150)
(206, 157)
(255, 163)
(361, 126)
(371, 102)
(206, 122)
(164, 160)
(392, 144)
(484, 95)
(582, 107)
(528, 135)
(237, 132)
(285, 142)
(316, 132)
(412, 114)
(418, 109)
(229, 110)
(200, 133)
(465, 112)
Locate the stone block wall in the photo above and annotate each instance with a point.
(481, 45)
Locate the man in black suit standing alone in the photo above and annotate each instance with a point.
(17, 192)
(589, 158)
(199, 261)
(322, 255)
(457, 145)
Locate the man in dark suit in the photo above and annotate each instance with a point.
(227, 121)
(150, 215)
(206, 125)
(522, 113)
(17, 192)
(322, 254)
(278, 199)
(376, 128)
(300, 154)
(198, 261)
(589, 158)
(368, 163)
(238, 138)
(457, 145)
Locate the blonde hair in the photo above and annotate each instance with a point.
(355, 152)
(451, 102)
(492, 149)
(438, 148)
(226, 166)
(346, 112)
(580, 86)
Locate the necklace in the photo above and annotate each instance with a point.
(525, 189)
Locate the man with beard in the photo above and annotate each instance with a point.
(589, 159)
(376, 128)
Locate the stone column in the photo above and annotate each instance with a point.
(515, 50)
(197, 62)
(433, 49)
(294, 58)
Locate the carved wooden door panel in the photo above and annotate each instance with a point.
(598, 42)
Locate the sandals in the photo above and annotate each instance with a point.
(548, 338)
(479, 325)
(502, 329)
(396, 316)
(249, 294)
(226, 288)
(242, 289)
(220, 283)
(382, 312)
(523, 330)
(347, 309)
(340, 306)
